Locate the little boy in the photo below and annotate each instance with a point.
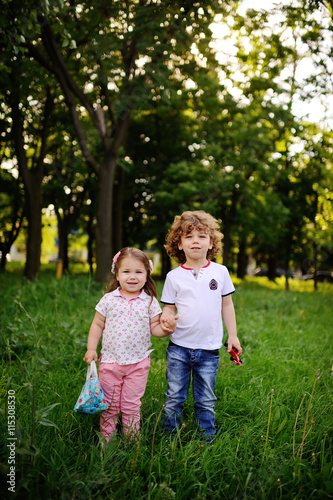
(199, 291)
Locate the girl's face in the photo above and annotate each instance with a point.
(132, 276)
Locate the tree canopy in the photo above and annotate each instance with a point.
(120, 116)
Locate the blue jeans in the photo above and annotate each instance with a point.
(203, 365)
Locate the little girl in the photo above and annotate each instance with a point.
(126, 316)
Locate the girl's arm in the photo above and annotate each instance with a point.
(95, 333)
(229, 318)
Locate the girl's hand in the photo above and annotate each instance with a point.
(90, 355)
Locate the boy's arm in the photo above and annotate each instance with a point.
(95, 333)
(229, 318)
(168, 310)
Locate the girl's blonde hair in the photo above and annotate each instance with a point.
(184, 224)
(134, 253)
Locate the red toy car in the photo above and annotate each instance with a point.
(234, 355)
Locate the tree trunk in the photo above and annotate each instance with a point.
(34, 240)
(32, 186)
(286, 284)
(63, 241)
(104, 250)
(315, 263)
(32, 177)
(242, 260)
(118, 194)
(226, 243)
(90, 243)
(286, 266)
(227, 227)
(271, 272)
(9, 238)
(166, 263)
(3, 260)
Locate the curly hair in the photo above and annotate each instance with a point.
(134, 253)
(184, 224)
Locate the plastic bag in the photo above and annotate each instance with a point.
(91, 399)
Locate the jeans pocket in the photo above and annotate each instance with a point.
(214, 352)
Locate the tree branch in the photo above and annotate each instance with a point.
(63, 81)
(61, 71)
(48, 108)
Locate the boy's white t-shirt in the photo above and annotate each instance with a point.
(198, 299)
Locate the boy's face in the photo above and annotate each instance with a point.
(195, 245)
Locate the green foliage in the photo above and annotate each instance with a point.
(269, 445)
(146, 95)
(232, 144)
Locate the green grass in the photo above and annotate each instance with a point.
(274, 415)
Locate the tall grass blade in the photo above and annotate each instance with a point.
(300, 453)
(268, 424)
(154, 434)
(295, 426)
(33, 385)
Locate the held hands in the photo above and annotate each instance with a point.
(169, 323)
(90, 355)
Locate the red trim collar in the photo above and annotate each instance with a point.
(190, 268)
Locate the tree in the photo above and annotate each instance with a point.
(317, 233)
(11, 213)
(107, 59)
(66, 181)
(163, 126)
(259, 149)
(160, 175)
(29, 102)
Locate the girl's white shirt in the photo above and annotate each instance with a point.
(126, 338)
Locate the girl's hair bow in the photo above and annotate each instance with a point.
(114, 261)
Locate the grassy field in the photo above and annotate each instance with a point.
(274, 414)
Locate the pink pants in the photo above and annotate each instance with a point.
(123, 387)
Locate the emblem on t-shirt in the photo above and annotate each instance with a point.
(213, 284)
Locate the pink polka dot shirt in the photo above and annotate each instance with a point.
(126, 335)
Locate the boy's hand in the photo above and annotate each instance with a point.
(169, 322)
(234, 342)
(90, 355)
